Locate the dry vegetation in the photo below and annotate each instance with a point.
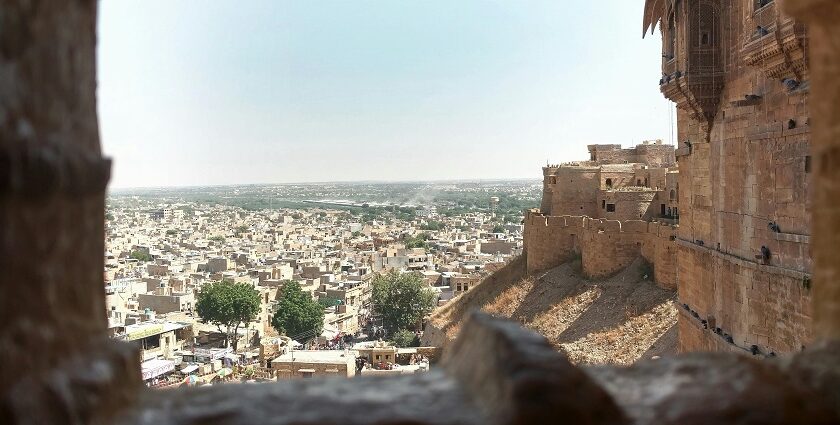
(617, 320)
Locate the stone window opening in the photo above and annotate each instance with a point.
(672, 195)
(610, 208)
(32, 384)
(609, 183)
(671, 46)
(759, 4)
(603, 204)
(808, 164)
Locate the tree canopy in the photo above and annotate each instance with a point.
(431, 225)
(228, 304)
(297, 316)
(401, 300)
(405, 338)
(140, 256)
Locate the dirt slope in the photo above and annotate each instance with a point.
(617, 320)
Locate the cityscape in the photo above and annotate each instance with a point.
(332, 240)
(427, 213)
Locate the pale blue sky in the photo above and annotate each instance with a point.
(204, 92)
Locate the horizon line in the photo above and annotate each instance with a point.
(127, 188)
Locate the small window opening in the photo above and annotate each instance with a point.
(704, 38)
(761, 3)
(609, 183)
(808, 164)
(603, 204)
(610, 207)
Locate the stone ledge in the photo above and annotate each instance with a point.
(792, 237)
(795, 274)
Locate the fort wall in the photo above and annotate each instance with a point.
(745, 186)
(604, 246)
(755, 304)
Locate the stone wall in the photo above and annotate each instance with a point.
(575, 190)
(746, 170)
(653, 154)
(627, 204)
(550, 240)
(660, 251)
(605, 246)
(755, 304)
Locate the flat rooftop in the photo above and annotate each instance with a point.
(317, 356)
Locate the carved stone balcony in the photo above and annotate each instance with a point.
(698, 93)
(777, 46)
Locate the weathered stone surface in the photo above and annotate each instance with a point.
(824, 18)
(711, 388)
(82, 389)
(818, 368)
(52, 190)
(516, 377)
(431, 398)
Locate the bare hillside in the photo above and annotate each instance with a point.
(617, 320)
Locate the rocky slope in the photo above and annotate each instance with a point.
(612, 321)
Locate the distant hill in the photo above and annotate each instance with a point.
(612, 321)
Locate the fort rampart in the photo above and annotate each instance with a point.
(605, 247)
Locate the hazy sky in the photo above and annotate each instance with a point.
(207, 92)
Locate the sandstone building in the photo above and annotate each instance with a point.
(53, 329)
(609, 210)
(737, 71)
(740, 255)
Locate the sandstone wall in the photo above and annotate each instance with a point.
(660, 251)
(755, 304)
(550, 240)
(574, 191)
(605, 246)
(629, 205)
(750, 170)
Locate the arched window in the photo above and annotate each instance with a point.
(609, 183)
(673, 194)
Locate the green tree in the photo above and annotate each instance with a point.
(401, 300)
(498, 229)
(298, 316)
(228, 304)
(140, 256)
(432, 225)
(404, 338)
